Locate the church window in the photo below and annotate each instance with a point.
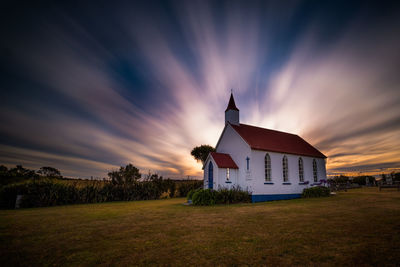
(301, 170)
(267, 168)
(248, 163)
(285, 169)
(315, 173)
(227, 174)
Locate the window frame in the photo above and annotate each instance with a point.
(301, 170)
(285, 169)
(267, 168)
(315, 171)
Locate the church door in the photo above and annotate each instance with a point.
(210, 176)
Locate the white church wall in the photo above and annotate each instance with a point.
(233, 178)
(321, 167)
(205, 178)
(221, 178)
(308, 169)
(231, 143)
(278, 186)
(223, 182)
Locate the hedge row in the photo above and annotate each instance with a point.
(51, 193)
(206, 197)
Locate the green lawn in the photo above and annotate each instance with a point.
(358, 227)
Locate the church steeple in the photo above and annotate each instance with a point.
(232, 112)
(231, 104)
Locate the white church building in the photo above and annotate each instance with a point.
(270, 164)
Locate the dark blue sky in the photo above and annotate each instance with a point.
(87, 86)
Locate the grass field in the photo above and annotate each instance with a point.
(358, 227)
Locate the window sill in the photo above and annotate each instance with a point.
(268, 183)
(286, 183)
(317, 183)
(228, 182)
(303, 183)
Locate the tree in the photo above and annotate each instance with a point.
(15, 175)
(49, 172)
(361, 180)
(125, 175)
(152, 177)
(200, 153)
(20, 171)
(3, 170)
(340, 179)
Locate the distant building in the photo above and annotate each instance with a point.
(270, 164)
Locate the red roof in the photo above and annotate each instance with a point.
(231, 104)
(275, 141)
(223, 160)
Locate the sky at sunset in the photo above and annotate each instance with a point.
(87, 86)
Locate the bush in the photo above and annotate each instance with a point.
(191, 192)
(185, 186)
(317, 191)
(361, 180)
(234, 195)
(342, 179)
(206, 197)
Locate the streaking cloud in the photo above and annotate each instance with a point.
(147, 83)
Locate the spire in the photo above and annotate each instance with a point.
(231, 104)
(232, 112)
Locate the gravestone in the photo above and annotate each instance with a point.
(18, 201)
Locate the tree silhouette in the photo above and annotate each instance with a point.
(49, 172)
(125, 175)
(200, 153)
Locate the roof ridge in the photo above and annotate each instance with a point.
(215, 152)
(266, 129)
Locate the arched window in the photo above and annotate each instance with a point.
(301, 170)
(314, 169)
(210, 175)
(267, 168)
(285, 169)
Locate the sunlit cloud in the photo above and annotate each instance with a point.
(150, 83)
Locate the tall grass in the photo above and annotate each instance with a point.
(52, 192)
